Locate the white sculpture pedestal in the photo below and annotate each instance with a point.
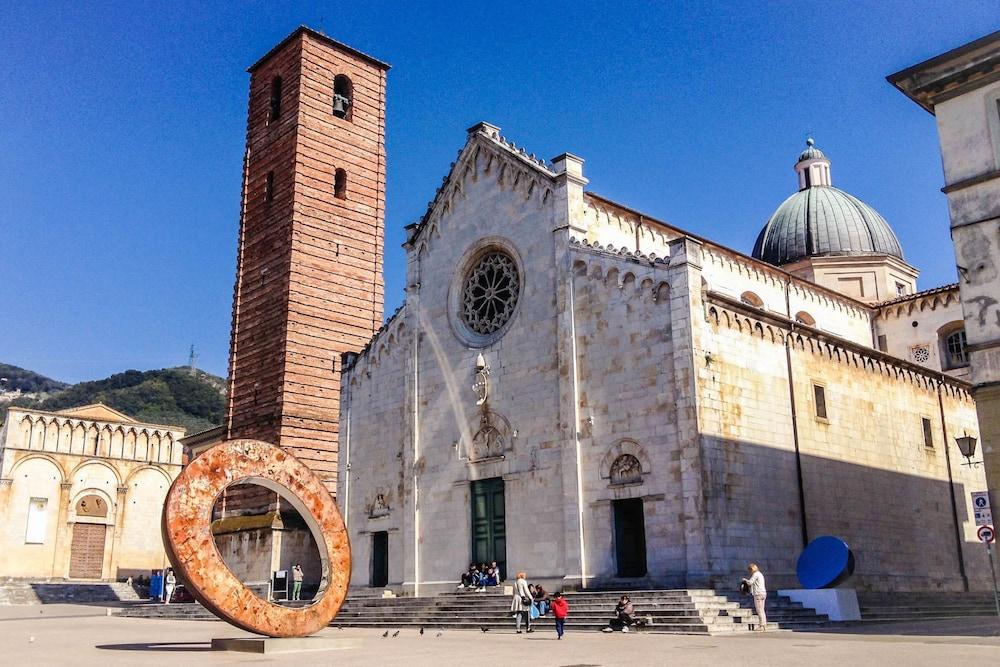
(839, 604)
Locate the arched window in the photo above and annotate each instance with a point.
(343, 97)
(953, 346)
(751, 299)
(275, 99)
(340, 184)
(802, 317)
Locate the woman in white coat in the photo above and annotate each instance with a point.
(520, 604)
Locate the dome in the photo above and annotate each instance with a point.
(821, 220)
(811, 152)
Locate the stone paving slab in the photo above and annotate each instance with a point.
(96, 640)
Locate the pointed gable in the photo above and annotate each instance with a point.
(97, 412)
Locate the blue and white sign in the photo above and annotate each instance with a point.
(981, 508)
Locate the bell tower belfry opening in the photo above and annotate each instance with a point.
(309, 266)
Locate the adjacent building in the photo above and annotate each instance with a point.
(82, 491)
(962, 89)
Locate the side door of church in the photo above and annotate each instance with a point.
(489, 523)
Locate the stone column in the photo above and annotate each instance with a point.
(64, 535)
(686, 323)
(118, 528)
(568, 222)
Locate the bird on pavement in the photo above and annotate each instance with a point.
(396, 633)
(421, 631)
(439, 634)
(484, 628)
(385, 634)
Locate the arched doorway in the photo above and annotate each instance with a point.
(86, 560)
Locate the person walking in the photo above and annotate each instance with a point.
(759, 592)
(170, 582)
(560, 610)
(520, 603)
(296, 582)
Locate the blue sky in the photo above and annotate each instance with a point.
(124, 128)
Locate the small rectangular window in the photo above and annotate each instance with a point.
(38, 521)
(883, 345)
(928, 434)
(819, 396)
(900, 289)
(269, 187)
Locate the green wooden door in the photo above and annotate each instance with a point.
(489, 527)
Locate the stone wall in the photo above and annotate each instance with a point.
(867, 475)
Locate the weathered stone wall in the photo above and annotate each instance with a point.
(866, 474)
(627, 404)
(921, 323)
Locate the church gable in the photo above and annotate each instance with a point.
(487, 165)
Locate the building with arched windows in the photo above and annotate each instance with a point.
(580, 390)
(81, 493)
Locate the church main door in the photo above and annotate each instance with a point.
(86, 555)
(630, 538)
(489, 523)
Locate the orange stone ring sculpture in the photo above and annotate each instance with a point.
(187, 536)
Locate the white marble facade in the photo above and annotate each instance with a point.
(644, 379)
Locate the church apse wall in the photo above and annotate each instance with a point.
(873, 472)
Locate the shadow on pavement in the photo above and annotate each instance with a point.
(180, 647)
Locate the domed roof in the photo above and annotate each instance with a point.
(811, 152)
(822, 220)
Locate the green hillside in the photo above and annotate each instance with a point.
(13, 378)
(173, 396)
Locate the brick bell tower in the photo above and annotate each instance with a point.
(309, 267)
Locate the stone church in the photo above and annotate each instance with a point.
(580, 390)
(80, 490)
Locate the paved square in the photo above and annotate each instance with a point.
(85, 635)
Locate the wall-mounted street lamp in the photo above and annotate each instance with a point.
(967, 445)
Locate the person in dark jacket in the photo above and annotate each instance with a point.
(624, 616)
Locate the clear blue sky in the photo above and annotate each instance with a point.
(123, 132)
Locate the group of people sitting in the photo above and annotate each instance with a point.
(479, 576)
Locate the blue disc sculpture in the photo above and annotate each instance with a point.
(826, 562)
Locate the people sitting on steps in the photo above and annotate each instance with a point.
(471, 577)
(624, 616)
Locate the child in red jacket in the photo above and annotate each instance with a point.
(560, 609)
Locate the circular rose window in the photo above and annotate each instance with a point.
(490, 293)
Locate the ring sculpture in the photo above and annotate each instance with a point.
(190, 546)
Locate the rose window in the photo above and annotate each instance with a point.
(490, 293)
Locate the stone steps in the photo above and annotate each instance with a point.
(696, 612)
(17, 592)
(886, 607)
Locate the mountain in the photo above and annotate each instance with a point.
(14, 380)
(173, 396)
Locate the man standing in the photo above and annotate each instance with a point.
(759, 592)
(296, 581)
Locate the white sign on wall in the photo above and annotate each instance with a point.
(38, 521)
(981, 508)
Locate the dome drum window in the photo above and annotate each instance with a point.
(490, 293)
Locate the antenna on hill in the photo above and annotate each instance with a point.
(192, 358)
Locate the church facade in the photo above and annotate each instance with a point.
(576, 389)
(580, 391)
(81, 493)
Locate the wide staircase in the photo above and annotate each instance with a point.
(17, 591)
(891, 607)
(675, 611)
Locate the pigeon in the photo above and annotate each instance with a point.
(484, 628)
(340, 627)
(421, 631)
(439, 634)
(395, 634)
(385, 634)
